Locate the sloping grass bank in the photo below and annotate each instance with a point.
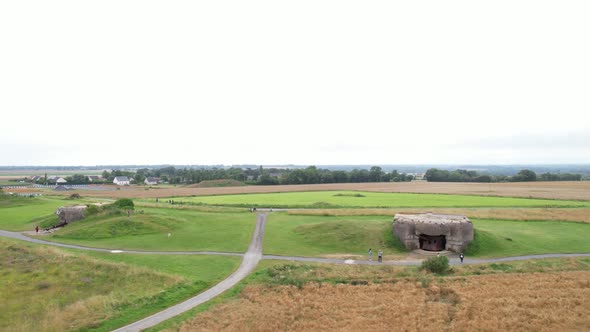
(48, 289)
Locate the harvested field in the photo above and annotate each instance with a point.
(506, 302)
(578, 190)
(558, 214)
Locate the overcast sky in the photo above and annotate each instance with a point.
(294, 82)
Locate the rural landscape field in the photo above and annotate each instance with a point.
(178, 246)
(294, 166)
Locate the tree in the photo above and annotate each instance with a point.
(124, 203)
(266, 179)
(436, 175)
(375, 174)
(525, 175)
(139, 178)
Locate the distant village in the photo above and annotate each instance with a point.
(78, 179)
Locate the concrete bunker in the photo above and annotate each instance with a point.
(68, 214)
(433, 232)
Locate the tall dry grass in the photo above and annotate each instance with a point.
(509, 302)
(576, 190)
(48, 289)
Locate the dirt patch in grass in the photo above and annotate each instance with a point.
(506, 302)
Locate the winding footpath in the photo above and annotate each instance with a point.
(249, 262)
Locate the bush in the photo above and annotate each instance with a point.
(74, 196)
(92, 209)
(439, 264)
(124, 203)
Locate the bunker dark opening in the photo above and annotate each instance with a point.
(432, 242)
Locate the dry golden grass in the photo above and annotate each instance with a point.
(560, 214)
(579, 190)
(48, 289)
(505, 302)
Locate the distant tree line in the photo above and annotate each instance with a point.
(262, 176)
(461, 175)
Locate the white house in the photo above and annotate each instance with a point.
(121, 181)
(151, 181)
(61, 181)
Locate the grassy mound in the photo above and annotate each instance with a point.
(316, 236)
(330, 233)
(148, 229)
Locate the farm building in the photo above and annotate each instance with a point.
(60, 188)
(121, 181)
(433, 232)
(151, 181)
(93, 178)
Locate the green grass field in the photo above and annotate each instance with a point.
(190, 231)
(48, 289)
(23, 213)
(349, 199)
(330, 235)
(497, 238)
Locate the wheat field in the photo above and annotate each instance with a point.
(506, 302)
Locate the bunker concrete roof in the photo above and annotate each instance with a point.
(431, 218)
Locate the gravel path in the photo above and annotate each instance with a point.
(259, 233)
(20, 236)
(251, 259)
(410, 262)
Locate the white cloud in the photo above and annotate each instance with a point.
(306, 82)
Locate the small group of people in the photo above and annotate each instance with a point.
(379, 255)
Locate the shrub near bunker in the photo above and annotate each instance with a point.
(124, 203)
(438, 265)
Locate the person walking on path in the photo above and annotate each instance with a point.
(380, 256)
(461, 256)
(370, 254)
(36, 229)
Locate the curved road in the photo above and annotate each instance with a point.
(249, 262)
(251, 259)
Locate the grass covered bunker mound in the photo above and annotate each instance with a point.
(433, 232)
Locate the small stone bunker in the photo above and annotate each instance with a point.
(71, 213)
(433, 232)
